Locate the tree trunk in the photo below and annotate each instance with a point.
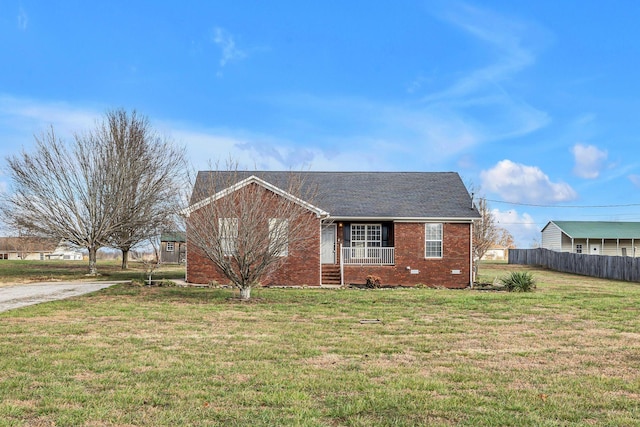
(93, 265)
(245, 293)
(125, 259)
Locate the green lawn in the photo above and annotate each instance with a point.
(18, 271)
(567, 354)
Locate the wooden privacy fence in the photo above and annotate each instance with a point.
(603, 266)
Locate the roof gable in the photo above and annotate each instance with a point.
(252, 179)
(391, 195)
(599, 229)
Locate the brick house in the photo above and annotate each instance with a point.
(407, 228)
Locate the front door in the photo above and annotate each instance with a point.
(328, 244)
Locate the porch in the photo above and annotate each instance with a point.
(333, 273)
(367, 256)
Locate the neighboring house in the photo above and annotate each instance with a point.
(66, 251)
(36, 249)
(407, 228)
(592, 237)
(173, 247)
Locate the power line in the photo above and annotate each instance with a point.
(628, 205)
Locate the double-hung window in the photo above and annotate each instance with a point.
(279, 236)
(433, 240)
(366, 239)
(170, 247)
(228, 233)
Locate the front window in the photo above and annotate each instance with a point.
(578, 248)
(368, 237)
(228, 233)
(169, 246)
(433, 240)
(278, 236)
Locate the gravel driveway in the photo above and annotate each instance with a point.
(15, 296)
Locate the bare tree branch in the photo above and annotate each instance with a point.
(248, 232)
(485, 231)
(151, 172)
(63, 191)
(111, 186)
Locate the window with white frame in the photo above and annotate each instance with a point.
(368, 237)
(169, 246)
(433, 240)
(228, 232)
(579, 248)
(279, 236)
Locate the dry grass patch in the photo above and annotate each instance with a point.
(564, 355)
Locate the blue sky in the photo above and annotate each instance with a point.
(535, 104)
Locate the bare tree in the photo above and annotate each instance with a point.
(151, 260)
(151, 172)
(63, 191)
(505, 239)
(485, 231)
(111, 186)
(245, 227)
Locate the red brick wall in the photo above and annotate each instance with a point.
(301, 266)
(409, 242)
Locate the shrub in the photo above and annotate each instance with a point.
(373, 281)
(519, 281)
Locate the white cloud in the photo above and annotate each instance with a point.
(635, 179)
(21, 118)
(522, 227)
(253, 151)
(589, 160)
(230, 52)
(483, 91)
(23, 19)
(519, 183)
(505, 36)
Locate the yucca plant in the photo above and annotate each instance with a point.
(519, 281)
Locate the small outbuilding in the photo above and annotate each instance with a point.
(173, 248)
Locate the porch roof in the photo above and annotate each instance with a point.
(367, 194)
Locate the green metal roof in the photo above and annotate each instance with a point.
(172, 236)
(600, 229)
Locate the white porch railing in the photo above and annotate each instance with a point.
(370, 256)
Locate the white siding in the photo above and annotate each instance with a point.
(552, 237)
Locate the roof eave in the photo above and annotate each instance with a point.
(401, 219)
(256, 180)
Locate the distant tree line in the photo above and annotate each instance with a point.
(116, 185)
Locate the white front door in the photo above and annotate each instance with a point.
(595, 250)
(328, 244)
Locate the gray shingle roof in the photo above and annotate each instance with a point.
(366, 194)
